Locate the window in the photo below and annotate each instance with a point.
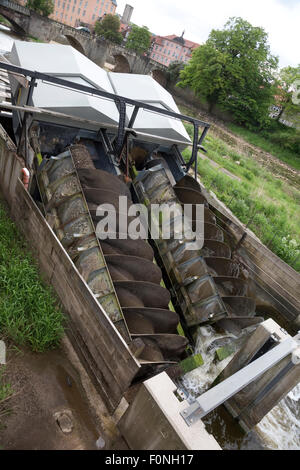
(78, 11)
(83, 14)
(68, 6)
(73, 9)
(112, 7)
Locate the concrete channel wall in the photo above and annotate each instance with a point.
(152, 421)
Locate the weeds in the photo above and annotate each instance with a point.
(270, 205)
(28, 311)
(285, 155)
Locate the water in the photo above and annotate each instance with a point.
(278, 430)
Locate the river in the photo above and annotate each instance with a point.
(280, 429)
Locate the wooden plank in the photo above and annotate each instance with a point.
(4, 74)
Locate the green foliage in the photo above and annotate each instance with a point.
(287, 87)
(289, 248)
(5, 388)
(4, 21)
(43, 7)
(174, 70)
(109, 29)
(270, 205)
(235, 68)
(139, 39)
(280, 141)
(28, 311)
(204, 74)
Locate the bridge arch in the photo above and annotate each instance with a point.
(68, 39)
(15, 27)
(75, 43)
(121, 64)
(160, 76)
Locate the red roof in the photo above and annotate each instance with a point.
(187, 43)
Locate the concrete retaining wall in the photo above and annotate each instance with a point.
(153, 421)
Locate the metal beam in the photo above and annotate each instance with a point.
(94, 91)
(222, 392)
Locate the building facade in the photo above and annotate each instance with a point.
(168, 49)
(76, 12)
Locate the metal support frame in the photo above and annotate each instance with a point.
(105, 141)
(222, 392)
(120, 101)
(24, 125)
(197, 145)
(127, 132)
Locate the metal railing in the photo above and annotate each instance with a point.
(120, 101)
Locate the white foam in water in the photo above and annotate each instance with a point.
(280, 428)
(198, 380)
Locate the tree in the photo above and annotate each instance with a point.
(174, 70)
(43, 7)
(235, 69)
(289, 90)
(139, 39)
(109, 28)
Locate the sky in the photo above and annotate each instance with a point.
(280, 19)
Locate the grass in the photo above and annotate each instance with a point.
(284, 155)
(4, 21)
(29, 314)
(34, 39)
(269, 205)
(6, 392)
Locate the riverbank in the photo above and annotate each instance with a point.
(255, 190)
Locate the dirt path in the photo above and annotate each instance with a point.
(46, 387)
(278, 168)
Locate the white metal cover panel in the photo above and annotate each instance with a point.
(66, 62)
(144, 88)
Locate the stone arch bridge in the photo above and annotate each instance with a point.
(29, 23)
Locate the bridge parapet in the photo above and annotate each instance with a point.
(15, 6)
(29, 22)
